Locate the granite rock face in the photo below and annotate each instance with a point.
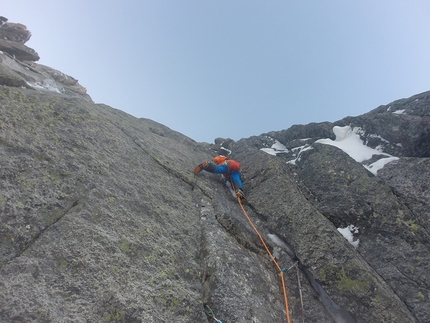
(103, 220)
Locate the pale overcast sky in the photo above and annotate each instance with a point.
(234, 68)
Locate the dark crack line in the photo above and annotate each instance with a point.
(171, 171)
(404, 199)
(36, 237)
(39, 234)
(410, 308)
(405, 275)
(261, 216)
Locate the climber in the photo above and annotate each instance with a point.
(229, 168)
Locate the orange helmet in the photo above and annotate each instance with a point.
(219, 160)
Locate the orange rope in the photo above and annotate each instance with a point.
(273, 259)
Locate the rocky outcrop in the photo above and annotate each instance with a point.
(18, 51)
(18, 69)
(103, 220)
(12, 39)
(17, 33)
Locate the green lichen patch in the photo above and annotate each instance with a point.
(127, 247)
(347, 284)
(114, 315)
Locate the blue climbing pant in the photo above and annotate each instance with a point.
(235, 175)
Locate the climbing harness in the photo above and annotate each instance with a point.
(210, 313)
(281, 271)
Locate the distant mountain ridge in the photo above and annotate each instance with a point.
(103, 220)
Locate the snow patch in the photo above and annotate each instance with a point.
(275, 239)
(349, 141)
(228, 151)
(379, 137)
(300, 150)
(373, 168)
(276, 148)
(45, 85)
(348, 234)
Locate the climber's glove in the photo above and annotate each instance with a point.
(200, 167)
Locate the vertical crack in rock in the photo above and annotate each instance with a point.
(338, 314)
